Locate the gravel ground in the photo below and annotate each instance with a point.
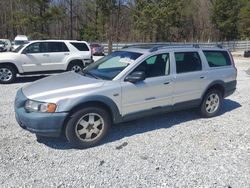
(172, 150)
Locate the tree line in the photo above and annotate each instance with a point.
(126, 20)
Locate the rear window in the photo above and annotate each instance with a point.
(80, 46)
(187, 62)
(217, 58)
(57, 47)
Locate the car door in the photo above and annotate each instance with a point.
(34, 56)
(153, 92)
(190, 77)
(57, 52)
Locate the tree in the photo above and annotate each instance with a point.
(244, 21)
(225, 16)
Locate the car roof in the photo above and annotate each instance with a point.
(21, 37)
(58, 41)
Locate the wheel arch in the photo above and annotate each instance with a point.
(97, 101)
(74, 61)
(11, 64)
(219, 85)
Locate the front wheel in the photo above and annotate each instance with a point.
(87, 127)
(7, 74)
(211, 103)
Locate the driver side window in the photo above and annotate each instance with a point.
(157, 65)
(33, 48)
(38, 47)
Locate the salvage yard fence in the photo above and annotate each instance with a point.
(231, 45)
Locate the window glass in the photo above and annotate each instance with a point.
(217, 58)
(57, 47)
(33, 48)
(111, 65)
(158, 65)
(187, 62)
(80, 46)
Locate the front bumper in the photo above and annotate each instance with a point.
(44, 124)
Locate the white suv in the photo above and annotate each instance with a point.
(44, 57)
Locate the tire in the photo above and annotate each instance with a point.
(7, 74)
(75, 66)
(211, 103)
(87, 127)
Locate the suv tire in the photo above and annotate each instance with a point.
(75, 66)
(87, 127)
(7, 74)
(211, 103)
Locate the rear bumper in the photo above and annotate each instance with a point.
(44, 124)
(230, 88)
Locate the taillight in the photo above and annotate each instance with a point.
(232, 59)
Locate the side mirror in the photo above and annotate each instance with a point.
(136, 77)
(24, 51)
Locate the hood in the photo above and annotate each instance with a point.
(65, 85)
(7, 56)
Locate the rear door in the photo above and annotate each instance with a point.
(58, 52)
(190, 78)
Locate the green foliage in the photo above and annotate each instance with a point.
(225, 17)
(244, 21)
(156, 20)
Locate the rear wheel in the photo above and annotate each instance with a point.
(87, 127)
(211, 103)
(76, 66)
(7, 74)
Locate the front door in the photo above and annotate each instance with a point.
(34, 57)
(155, 91)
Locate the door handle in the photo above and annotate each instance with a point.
(46, 55)
(202, 77)
(150, 98)
(166, 83)
(66, 53)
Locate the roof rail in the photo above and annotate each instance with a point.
(159, 46)
(174, 46)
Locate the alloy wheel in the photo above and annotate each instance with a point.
(5, 74)
(212, 103)
(89, 127)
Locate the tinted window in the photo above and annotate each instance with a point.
(217, 58)
(187, 62)
(80, 46)
(158, 65)
(38, 47)
(57, 47)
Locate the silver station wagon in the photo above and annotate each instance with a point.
(125, 85)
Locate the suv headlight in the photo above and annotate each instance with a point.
(35, 106)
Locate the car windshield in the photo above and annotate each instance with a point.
(19, 42)
(18, 48)
(110, 66)
(95, 45)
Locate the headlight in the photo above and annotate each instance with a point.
(34, 106)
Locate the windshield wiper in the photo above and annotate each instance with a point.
(85, 73)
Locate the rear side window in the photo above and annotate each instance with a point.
(57, 47)
(217, 58)
(187, 62)
(80, 46)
